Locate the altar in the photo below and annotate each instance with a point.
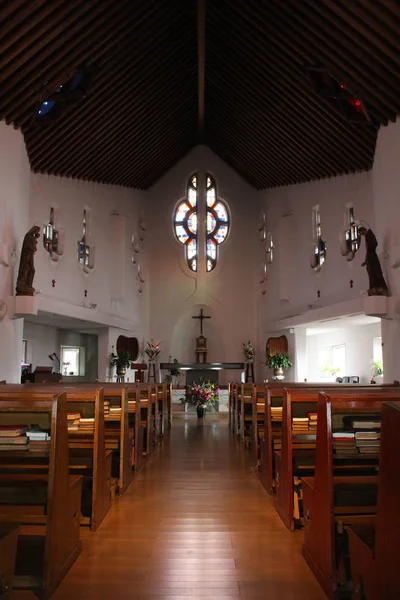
(195, 371)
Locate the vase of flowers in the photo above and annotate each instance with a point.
(248, 351)
(202, 394)
(278, 362)
(152, 350)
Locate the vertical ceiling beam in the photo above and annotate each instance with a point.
(201, 51)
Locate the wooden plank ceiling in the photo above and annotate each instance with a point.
(168, 75)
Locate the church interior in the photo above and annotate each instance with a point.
(199, 299)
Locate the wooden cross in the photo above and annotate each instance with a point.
(201, 317)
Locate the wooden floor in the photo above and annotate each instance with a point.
(195, 523)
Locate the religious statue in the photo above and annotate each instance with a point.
(377, 283)
(26, 270)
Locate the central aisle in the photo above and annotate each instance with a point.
(195, 523)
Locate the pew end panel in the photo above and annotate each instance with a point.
(39, 494)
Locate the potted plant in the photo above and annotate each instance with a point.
(173, 371)
(122, 361)
(377, 369)
(278, 362)
(202, 395)
(248, 351)
(328, 369)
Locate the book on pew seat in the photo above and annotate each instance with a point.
(15, 441)
(361, 422)
(12, 430)
(367, 435)
(13, 447)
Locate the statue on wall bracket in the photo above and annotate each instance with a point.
(26, 270)
(377, 283)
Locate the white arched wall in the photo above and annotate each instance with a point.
(187, 329)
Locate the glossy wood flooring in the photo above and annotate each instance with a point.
(195, 523)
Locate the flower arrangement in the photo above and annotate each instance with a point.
(248, 351)
(202, 394)
(330, 370)
(152, 350)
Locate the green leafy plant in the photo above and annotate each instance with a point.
(377, 368)
(278, 361)
(173, 371)
(121, 360)
(330, 369)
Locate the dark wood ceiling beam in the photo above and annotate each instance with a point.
(377, 41)
(380, 15)
(113, 101)
(40, 31)
(80, 51)
(280, 65)
(235, 160)
(138, 155)
(141, 168)
(156, 130)
(110, 83)
(201, 49)
(355, 46)
(116, 68)
(274, 151)
(162, 160)
(352, 74)
(272, 144)
(140, 118)
(300, 123)
(302, 120)
(300, 51)
(19, 21)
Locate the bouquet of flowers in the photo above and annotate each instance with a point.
(152, 350)
(202, 394)
(248, 351)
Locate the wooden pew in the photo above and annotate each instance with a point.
(155, 419)
(273, 426)
(374, 547)
(135, 426)
(169, 404)
(146, 420)
(233, 408)
(38, 493)
(245, 409)
(8, 551)
(335, 498)
(87, 453)
(161, 392)
(258, 416)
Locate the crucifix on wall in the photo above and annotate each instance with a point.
(201, 341)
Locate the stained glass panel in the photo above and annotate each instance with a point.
(211, 196)
(193, 264)
(194, 181)
(221, 234)
(192, 196)
(211, 222)
(191, 249)
(211, 248)
(209, 265)
(181, 234)
(181, 212)
(192, 222)
(221, 212)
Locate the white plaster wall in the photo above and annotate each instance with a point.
(14, 208)
(42, 340)
(228, 294)
(386, 188)
(359, 351)
(103, 286)
(300, 281)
